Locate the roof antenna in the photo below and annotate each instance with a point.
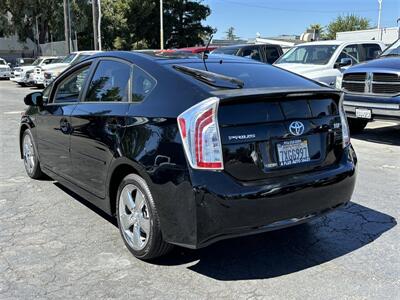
(204, 55)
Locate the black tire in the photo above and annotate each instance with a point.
(34, 172)
(356, 125)
(155, 246)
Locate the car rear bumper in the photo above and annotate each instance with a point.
(382, 108)
(217, 206)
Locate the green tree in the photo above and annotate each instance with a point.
(183, 23)
(346, 23)
(126, 24)
(319, 29)
(230, 34)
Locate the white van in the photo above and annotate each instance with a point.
(323, 61)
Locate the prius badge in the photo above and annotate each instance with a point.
(296, 128)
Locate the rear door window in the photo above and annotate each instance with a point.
(371, 51)
(272, 54)
(352, 52)
(110, 82)
(252, 53)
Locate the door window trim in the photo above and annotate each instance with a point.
(132, 67)
(92, 73)
(59, 80)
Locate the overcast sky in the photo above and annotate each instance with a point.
(271, 18)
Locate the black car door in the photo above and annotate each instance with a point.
(53, 121)
(98, 124)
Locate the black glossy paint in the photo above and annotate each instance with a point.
(86, 145)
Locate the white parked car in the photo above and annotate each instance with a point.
(5, 70)
(49, 72)
(323, 61)
(20, 72)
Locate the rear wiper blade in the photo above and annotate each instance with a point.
(211, 78)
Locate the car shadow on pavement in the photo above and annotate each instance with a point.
(86, 203)
(289, 250)
(280, 252)
(383, 135)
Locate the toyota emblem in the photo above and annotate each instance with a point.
(296, 128)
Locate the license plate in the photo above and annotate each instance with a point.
(293, 152)
(363, 113)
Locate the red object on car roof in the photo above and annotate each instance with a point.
(197, 49)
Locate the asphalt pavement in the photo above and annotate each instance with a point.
(54, 245)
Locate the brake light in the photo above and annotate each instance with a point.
(345, 125)
(199, 130)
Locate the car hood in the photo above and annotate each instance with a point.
(302, 69)
(26, 68)
(380, 64)
(51, 67)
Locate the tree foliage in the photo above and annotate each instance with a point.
(230, 34)
(126, 24)
(319, 29)
(346, 23)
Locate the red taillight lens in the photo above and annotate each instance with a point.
(200, 135)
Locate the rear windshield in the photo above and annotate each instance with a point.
(2, 62)
(256, 75)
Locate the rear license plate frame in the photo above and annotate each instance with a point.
(286, 156)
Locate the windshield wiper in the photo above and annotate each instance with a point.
(210, 78)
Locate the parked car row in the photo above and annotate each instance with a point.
(44, 69)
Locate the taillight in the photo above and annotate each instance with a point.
(200, 135)
(345, 125)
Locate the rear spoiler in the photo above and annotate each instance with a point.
(238, 94)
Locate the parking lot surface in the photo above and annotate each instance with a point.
(55, 245)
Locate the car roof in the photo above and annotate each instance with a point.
(246, 45)
(47, 57)
(163, 58)
(86, 52)
(337, 42)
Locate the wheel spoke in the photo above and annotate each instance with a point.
(144, 225)
(128, 200)
(139, 200)
(136, 237)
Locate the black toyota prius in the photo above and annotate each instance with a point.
(188, 150)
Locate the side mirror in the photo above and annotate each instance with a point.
(34, 99)
(344, 62)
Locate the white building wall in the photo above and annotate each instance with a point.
(386, 35)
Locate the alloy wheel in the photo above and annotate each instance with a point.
(28, 154)
(134, 217)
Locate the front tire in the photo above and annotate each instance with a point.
(357, 125)
(29, 154)
(138, 219)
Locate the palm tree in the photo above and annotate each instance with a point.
(317, 28)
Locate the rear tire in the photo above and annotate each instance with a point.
(138, 220)
(356, 125)
(30, 156)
